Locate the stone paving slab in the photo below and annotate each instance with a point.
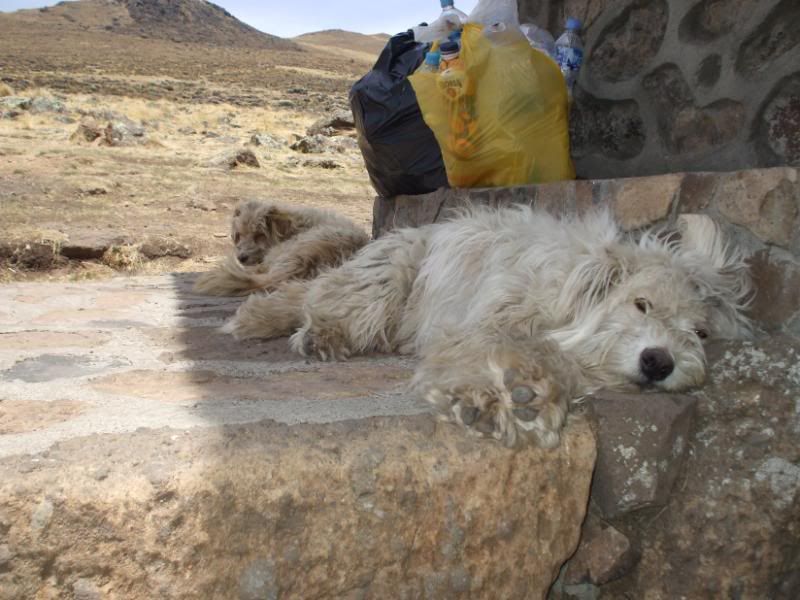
(144, 454)
(146, 352)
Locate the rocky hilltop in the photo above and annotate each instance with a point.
(192, 21)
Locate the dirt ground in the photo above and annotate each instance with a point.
(190, 105)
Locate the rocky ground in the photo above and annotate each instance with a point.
(123, 157)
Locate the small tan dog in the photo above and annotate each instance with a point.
(277, 243)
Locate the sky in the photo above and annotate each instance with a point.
(293, 17)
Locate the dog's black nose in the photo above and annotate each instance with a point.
(243, 258)
(656, 364)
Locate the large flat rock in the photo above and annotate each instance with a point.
(144, 454)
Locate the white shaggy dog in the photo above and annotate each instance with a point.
(515, 312)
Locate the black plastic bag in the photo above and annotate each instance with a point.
(399, 149)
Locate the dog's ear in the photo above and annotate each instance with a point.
(592, 279)
(719, 272)
(278, 224)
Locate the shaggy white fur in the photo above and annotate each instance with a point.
(513, 312)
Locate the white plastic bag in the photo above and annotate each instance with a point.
(489, 12)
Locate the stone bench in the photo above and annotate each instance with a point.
(143, 454)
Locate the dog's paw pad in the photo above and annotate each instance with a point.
(525, 414)
(474, 418)
(468, 414)
(522, 394)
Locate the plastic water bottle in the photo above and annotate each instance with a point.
(449, 10)
(569, 53)
(540, 39)
(450, 21)
(431, 64)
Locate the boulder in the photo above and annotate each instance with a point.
(339, 122)
(90, 245)
(158, 247)
(732, 527)
(233, 159)
(604, 554)
(267, 141)
(123, 133)
(313, 144)
(16, 103)
(45, 104)
(318, 144)
(642, 442)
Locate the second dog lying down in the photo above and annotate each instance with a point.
(514, 312)
(279, 243)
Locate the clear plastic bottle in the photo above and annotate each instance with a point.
(540, 39)
(448, 22)
(431, 64)
(449, 10)
(569, 53)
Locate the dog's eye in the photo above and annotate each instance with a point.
(643, 305)
(701, 333)
(260, 238)
(236, 238)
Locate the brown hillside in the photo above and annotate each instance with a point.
(191, 21)
(346, 40)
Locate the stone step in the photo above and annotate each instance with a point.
(144, 454)
(764, 201)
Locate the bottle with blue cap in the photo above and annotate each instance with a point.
(569, 53)
(431, 64)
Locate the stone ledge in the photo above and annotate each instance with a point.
(382, 508)
(143, 454)
(764, 201)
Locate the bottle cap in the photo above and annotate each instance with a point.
(433, 58)
(448, 49)
(573, 24)
(446, 3)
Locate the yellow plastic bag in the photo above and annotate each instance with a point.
(500, 118)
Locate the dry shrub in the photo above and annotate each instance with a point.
(123, 258)
(6, 90)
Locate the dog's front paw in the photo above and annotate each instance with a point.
(308, 342)
(521, 405)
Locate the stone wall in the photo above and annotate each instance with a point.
(682, 85)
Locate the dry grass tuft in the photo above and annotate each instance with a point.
(6, 90)
(123, 258)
